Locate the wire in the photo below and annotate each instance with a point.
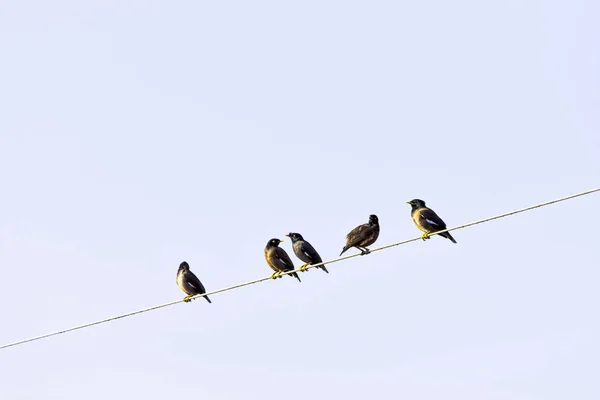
(226, 289)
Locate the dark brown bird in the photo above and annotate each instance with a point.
(427, 220)
(305, 252)
(363, 236)
(189, 282)
(278, 259)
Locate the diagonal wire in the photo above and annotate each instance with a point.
(226, 289)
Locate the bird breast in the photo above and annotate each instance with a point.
(183, 285)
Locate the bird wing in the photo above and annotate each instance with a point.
(357, 234)
(193, 280)
(311, 253)
(282, 259)
(432, 218)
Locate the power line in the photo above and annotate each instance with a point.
(226, 289)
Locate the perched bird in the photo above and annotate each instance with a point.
(363, 236)
(189, 283)
(278, 259)
(305, 252)
(427, 220)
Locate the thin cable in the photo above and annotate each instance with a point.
(75, 328)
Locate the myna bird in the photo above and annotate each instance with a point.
(189, 283)
(305, 252)
(427, 220)
(363, 236)
(278, 259)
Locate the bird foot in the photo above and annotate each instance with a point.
(303, 268)
(365, 252)
(187, 299)
(425, 236)
(276, 275)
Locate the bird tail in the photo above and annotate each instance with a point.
(344, 250)
(295, 275)
(207, 299)
(323, 268)
(447, 235)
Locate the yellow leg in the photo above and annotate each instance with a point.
(303, 267)
(187, 298)
(425, 236)
(275, 275)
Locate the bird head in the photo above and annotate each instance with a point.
(373, 220)
(294, 236)
(184, 265)
(274, 242)
(416, 203)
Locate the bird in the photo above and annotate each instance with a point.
(278, 259)
(189, 282)
(427, 220)
(305, 252)
(363, 235)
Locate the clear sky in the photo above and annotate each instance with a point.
(138, 134)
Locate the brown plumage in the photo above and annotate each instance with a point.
(363, 236)
(278, 259)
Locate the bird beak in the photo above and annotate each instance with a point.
(408, 202)
(280, 240)
(287, 234)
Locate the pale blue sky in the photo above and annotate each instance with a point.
(138, 134)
